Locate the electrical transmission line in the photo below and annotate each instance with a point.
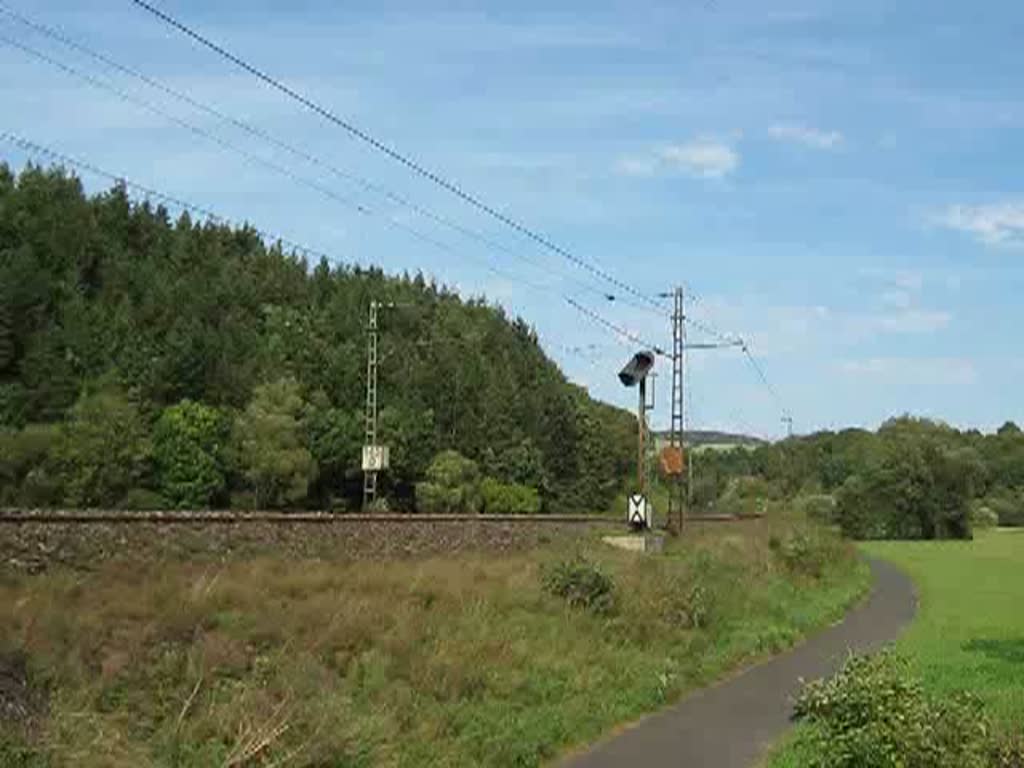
(362, 182)
(259, 161)
(732, 340)
(618, 330)
(397, 156)
(64, 159)
(59, 157)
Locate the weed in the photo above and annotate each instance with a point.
(581, 583)
(875, 712)
(464, 660)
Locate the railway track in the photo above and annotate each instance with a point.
(15, 517)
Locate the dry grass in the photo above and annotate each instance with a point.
(443, 661)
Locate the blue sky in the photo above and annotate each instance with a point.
(837, 182)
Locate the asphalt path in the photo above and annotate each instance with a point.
(732, 724)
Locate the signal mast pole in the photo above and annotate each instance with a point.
(676, 497)
(370, 475)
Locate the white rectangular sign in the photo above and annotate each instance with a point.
(375, 458)
(638, 511)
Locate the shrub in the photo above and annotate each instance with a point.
(916, 490)
(270, 445)
(452, 485)
(1007, 752)
(104, 448)
(142, 500)
(874, 712)
(820, 507)
(188, 446)
(804, 549)
(747, 495)
(23, 464)
(686, 601)
(982, 515)
(581, 583)
(508, 498)
(1008, 506)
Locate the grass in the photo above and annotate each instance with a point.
(969, 631)
(442, 662)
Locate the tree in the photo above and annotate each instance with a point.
(498, 498)
(1009, 429)
(104, 450)
(452, 485)
(98, 285)
(26, 476)
(270, 445)
(522, 463)
(917, 490)
(189, 441)
(6, 333)
(335, 440)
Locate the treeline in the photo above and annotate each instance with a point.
(150, 362)
(911, 479)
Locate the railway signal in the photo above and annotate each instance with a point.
(639, 513)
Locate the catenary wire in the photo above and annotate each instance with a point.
(60, 157)
(305, 155)
(397, 156)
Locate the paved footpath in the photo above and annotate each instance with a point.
(732, 724)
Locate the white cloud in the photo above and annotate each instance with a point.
(809, 137)
(1000, 224)
(703, 158)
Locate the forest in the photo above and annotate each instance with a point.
(149, 362)
(912, 478)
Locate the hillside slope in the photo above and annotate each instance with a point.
(100, 294)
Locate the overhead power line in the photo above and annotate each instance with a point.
(618, 330)
(397, 156)
(764, 379)
(262, 162)
(53, 155)
(191, 127)
(301, 153)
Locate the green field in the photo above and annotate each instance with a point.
(969, 631)
(459, 661)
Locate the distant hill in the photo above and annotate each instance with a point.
(103, 297)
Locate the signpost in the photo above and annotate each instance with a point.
(376, 458)
(639, 513)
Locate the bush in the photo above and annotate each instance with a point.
(270, 445)
(747, 495)
(23, 465)
(452, 485)
(581, 583)
(982, 515)
(142, 500)
(803, 549)
(686, 601)
(104, 449)
(508, 498)
(188, 445)
(917, 490)
(1008, 506)
(820, 507)
(874, 712)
